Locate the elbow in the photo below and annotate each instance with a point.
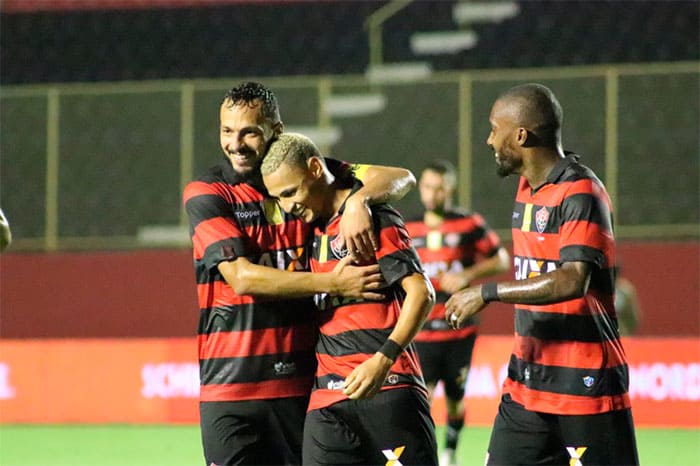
(238, 276)
(410, 178)
(428, 297)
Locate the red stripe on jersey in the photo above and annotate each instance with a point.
(211, 231)
(433, 336)
(558, 403)
(547, 247)
(585, 233)
(572, 306)
(256, 342)
(576, 354)
(267, 389)
(344, 365)
(222, 295)
(322, 397)
(587, 186)
(363, 315)
(391, 239)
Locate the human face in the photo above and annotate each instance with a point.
(502, 140)
(244, 135)
(294, 189)
(435, 190)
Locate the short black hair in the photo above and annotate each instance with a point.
(442, 166)
(253, 93)
(538, 111)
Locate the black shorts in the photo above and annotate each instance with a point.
(527, 437)
(259, 432)
(393, 425)
(447, 361)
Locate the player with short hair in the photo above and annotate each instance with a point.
(456, 247)
(257, 326)
(565, 399)
(369, 404)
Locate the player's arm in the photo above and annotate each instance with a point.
(367, 378)
(381, 185)
(5, 232)
(246, 278)
(570, 281)
(497, 263)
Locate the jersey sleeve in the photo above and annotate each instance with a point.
(396, 256)
(586, 225)
(215, 234)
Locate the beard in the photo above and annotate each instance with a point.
(506, 161)
(503, 170)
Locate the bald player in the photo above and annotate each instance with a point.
(565, 399)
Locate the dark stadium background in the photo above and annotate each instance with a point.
(108, 107)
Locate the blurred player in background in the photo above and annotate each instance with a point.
(256, 350)
(456, 248)
(369, 404)
(565, 399)
(5, 232)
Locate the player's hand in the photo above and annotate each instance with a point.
(453, 282)
(367, 379)
(357, 230)
(355, 281)
(462, 305)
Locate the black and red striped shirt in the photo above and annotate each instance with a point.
(457, 243)
(568, 358)
(351, 330)
(249, 347)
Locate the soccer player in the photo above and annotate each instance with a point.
(369, 404)
(256, 340)
(456, 248)
(565, 399)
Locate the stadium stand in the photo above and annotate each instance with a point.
(116, 45)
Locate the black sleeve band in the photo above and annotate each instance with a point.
(390, 349)
(489, 292)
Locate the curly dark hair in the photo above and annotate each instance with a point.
(253, 94)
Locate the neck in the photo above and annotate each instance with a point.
(335, 199)
(433, 218)
(539, 165)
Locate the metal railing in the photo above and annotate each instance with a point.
(599, 99)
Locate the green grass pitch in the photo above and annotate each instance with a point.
(131, 445)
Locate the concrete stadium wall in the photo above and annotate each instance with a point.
(152, 293)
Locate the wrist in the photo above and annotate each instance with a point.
(489, 292)
(390, 349)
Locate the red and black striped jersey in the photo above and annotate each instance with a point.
(352, 330)
(460, 240)
(249, 347)
(567, 358)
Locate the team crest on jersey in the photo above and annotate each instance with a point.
(337, 250)
(541, 219)
(588, 381)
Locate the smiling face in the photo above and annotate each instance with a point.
(503, 139)
(244, 134)
(296, 189)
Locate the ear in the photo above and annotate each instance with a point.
(521, 136)
(316, 167)
(278, 128)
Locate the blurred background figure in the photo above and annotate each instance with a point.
(5, 232)
(626, 304)
(456, 248)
